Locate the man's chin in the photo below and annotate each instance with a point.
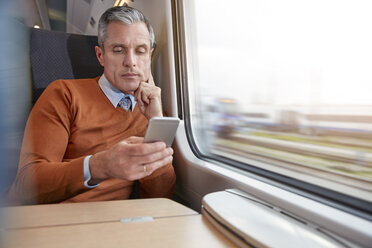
(130, 87)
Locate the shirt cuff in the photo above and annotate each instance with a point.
(87, 175)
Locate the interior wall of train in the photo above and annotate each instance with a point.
(273, 96)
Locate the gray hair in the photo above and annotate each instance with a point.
(126, 15)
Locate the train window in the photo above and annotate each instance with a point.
(283, 86)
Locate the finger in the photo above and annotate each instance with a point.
(134, 140)
(151, 79)
(143, 93)
(138, 96)
(151, 167)
(156, 156)
(138, 91)
(145, 97)
(143, 149)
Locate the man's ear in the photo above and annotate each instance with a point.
(99, 54)
(151, 53)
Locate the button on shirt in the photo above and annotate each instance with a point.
(114, 95)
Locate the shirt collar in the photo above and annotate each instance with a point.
(113, 94)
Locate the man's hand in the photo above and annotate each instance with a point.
(130, 159)
(148, 98)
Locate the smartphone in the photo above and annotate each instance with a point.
(162, 129)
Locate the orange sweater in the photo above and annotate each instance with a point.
(73, 119)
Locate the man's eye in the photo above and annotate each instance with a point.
(141, 51)
(118, 50)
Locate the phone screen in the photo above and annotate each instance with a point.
(162, 129)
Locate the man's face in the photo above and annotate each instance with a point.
(127, 55)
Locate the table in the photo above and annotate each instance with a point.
(100, 224)
(90, 212)
(183, 231)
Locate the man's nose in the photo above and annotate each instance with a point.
(129, 59)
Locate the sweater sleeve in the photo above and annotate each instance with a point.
(43, 175)
(159, 184)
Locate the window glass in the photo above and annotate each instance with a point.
(285, 86)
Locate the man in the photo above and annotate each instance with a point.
(79, 144)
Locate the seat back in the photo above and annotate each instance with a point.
(57, 55)
(51, 55)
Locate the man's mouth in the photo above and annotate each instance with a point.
(129, 75)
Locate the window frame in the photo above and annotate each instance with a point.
(347, 203)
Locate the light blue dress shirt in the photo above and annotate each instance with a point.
(114, 95)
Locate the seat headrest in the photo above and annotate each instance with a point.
(58, 55)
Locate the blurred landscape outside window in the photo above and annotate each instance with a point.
(286, 86)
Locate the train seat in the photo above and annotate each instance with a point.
(58, 55)
(37, 58)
